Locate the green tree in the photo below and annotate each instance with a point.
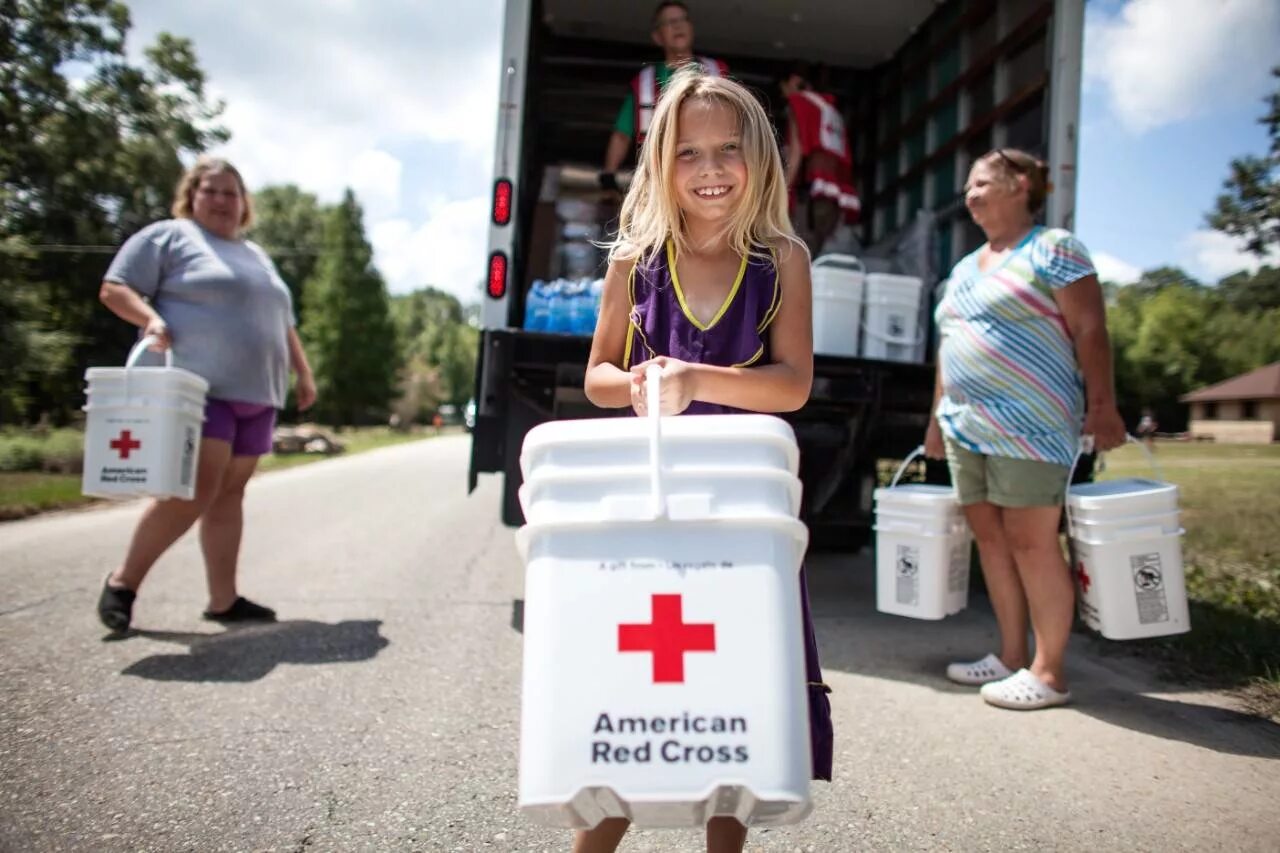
(1258, 291)
(350, 338)
(90, 149)
(439, 347)
(1250, 205)
(290, 226)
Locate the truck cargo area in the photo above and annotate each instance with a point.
(925, 87)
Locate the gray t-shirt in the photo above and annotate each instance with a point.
(227, 308)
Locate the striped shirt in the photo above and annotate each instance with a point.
(1011, 385)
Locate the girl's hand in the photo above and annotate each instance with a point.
(676, 390)
(1106, 426)
(934, 447)
(156, 328)
(305, 391)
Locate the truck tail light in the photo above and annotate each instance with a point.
(502, 202)
(497, 275)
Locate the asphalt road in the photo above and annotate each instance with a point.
(382, 712)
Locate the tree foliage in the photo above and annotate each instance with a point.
(1175, 337)
(350, 339)
(91, 147)
(290, 227)
(439, 347)
(1249, 207)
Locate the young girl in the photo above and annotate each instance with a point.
(707, 280)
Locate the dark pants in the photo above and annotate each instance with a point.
(821, 732)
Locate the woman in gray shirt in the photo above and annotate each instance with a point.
(197, 286)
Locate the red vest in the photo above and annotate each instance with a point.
(821, 129)
(819, 125)
(644, 91)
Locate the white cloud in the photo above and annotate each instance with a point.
(447, 250)
(1113, 269)
(331, 94)
(1212, 255)
(1162, 61)
(375, 177)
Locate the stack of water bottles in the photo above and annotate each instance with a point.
(563, 306)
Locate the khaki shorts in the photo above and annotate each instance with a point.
(1005, 482)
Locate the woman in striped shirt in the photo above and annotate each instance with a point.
(1024, 369)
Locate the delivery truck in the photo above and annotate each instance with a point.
(924, 86)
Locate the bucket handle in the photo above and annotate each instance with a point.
(835, 259)
(912, 457)
(652, 383)
(1086, 446)
(141, 346)
(136, 353)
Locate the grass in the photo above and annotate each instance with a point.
(1230, 501)
(24, 492)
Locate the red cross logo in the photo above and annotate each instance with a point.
(125, 443)
(1083, 577)
(667, 637)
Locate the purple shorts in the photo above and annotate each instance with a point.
(247, 426)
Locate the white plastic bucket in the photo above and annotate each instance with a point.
(922, 550)
(891, 327)
(1133, 587)
(142, 429)
(664, 675)
(837, 304)
(618, 494)
(1127, 547)
(603, 735)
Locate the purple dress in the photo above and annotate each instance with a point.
(738, 336)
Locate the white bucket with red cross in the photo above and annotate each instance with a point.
(142, 429)
(1126, 542)
(664, 674)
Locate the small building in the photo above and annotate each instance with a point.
(1243, 410)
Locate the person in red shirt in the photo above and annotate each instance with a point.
(819, 166)
(673, 32)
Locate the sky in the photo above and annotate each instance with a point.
(397, 99)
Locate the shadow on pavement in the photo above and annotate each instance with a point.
(251, 652)
(854, 637)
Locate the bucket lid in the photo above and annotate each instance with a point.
(919, 494)
(149, 375)
(1109, 494)
(794, 529)
(765, 429)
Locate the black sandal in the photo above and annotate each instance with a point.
(242, 610)
(115, 606)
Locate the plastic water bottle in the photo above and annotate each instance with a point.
(558, 307)
(535, 307)
(584, 321)
(597, 291)
(531, 300)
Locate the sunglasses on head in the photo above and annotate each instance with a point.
(1013, 164)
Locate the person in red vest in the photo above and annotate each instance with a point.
(673, 32)
(819, 164)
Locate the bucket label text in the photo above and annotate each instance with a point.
(685, 741)
(907, 570)
(1148, 588)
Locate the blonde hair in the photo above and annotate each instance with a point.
(651, 214)
(1009, 163)
(184, 194)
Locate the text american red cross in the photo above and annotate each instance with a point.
(125, 443)
(668, 637)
